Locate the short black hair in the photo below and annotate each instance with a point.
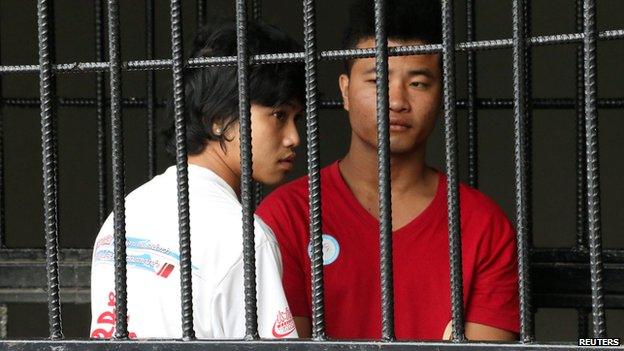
(211, 93)
(405, 20)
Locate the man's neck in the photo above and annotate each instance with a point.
(408, 171)
(212, 158)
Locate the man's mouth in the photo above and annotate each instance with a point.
(398, 125)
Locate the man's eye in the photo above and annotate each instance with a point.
(371, 80)
(279, 115)
(419, 85)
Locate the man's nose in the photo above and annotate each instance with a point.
(291, 135)
(398, 98)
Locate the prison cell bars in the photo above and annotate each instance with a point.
(150, 91)
(45, 14)
(314, 172)
(592, 164)
(186, 293)
(47, 101)
(481, 103)
(471, 101)
(451, 150)
(119, 215)
(100, 112)
(249, 259)
(3, 307)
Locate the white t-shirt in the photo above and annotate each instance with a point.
(153, 276)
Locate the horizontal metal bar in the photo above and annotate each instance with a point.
(560, 276)
(161, 64)
(293, 345)
(483, 103)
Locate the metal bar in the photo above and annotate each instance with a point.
(4, 319)
(2, 183)
(159, 64)
(100, 111)
(451, 151)
(47, 91)
(202, 12)
(314, 174)
(383, 169)
(151, 90)
(520, 156)
(593, 169)
(473, 123)
(182, 173)
(483, 103)
(249, 259)
(256, 9)
(119, 215)
(270, 345)
(528, 141)
(581, 154)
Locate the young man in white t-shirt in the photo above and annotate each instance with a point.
(211, 112)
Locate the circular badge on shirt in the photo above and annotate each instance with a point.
(331, 249)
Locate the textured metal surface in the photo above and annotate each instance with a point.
(86, 67)
(119, 215)
(247, 198)
(452, 170)
(47, 91)
(2, 183)
(182, 173)
(271, 345)
(314, 175)
(593, 169)
(202, 12)
(483, 103)
(473, 122)
(4, 319)
(150, 93)
(383, 169)
(100, 113)
(581, 155)
(256, 9)
(520, 157)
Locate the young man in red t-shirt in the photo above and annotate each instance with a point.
(350, 214)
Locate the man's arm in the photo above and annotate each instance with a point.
(476, 331)
(304, 327)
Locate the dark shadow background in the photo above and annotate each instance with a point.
(553, 135)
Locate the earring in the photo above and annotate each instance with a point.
(218, 132)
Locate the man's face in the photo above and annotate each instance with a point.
(274, 138)
(414, 90)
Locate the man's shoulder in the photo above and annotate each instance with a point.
(476, 204)
(296, 191)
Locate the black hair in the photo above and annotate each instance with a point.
(405, 20)
(211, 93)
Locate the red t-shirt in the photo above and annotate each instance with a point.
(420, 261)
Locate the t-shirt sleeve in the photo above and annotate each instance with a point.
(494, 295)
(282, 220)
(274, 317)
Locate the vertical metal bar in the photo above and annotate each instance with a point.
(201, 12)
(151, 90)
(593, 169)
(581, 154)
(258, 191)
(182, 172)
(119, 215)
(314, 175)
(4, 320)
(249, 259)
(473, 122)
(450, 137)
(2, 184)
(256, 9)
(519, 87)
(100, 111)
(50, 174)
(528, 144)
(383, 168)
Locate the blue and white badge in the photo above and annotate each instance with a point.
(331, 249)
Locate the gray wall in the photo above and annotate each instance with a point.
(553, 137)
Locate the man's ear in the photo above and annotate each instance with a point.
(343, 82)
